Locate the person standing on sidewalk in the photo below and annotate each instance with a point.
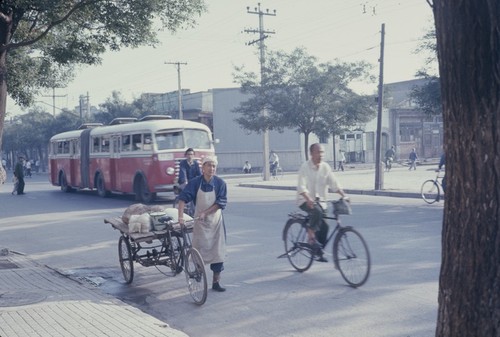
(315, 177)
(413, 159)
(209, 194)
(19, 174)
(341, 160)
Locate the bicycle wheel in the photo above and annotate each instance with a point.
(279, 173)
(196, 277)
(126, 262)
(430, 191)
(297, 249)
(351, 257)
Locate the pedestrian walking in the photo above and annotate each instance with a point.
(19, 174)
(413, 159)
(341, 160)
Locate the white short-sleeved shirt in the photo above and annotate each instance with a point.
(316, 180)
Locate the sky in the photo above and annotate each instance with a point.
(343, 30)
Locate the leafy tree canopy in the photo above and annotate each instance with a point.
(299, 93)
(428, 96)
(43, 40)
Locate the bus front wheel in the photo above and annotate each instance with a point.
(63, 182)
(142, 191)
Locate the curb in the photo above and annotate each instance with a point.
(396, 194)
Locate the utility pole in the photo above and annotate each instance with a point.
(54, 100)
(262, 35)
(379, 181)
(179, 93)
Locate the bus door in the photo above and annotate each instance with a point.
(114, 167)
(74, 163)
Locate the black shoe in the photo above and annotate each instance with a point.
(322, 259)
(216, 286)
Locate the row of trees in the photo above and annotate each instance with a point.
(29, 134)
(42, 41)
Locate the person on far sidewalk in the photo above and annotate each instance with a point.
(341, 160)
(413, 159)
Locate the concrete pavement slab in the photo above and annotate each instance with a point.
(38, 301)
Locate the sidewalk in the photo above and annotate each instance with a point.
(399, 182)
(37, 301)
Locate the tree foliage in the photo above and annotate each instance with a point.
(428, 96)
(469, 67)
(301, 94)
(43, 40)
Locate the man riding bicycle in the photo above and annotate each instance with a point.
(389, 157)
(315, 177)
(274, 162)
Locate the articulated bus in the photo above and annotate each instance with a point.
(127, 157)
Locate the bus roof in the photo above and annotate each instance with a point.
(152, 126)
(67, 135)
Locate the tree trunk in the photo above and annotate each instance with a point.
(468, 41)
(306, 144)
(3, 92)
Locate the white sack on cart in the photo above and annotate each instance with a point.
(139, 223)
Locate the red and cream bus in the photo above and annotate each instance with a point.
(127, 156)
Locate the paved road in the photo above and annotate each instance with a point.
(265, 296)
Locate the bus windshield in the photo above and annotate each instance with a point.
(197, 139)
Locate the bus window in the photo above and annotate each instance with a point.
(126, 143)
(105, 144)
(66, 147)
(197, 139)
(95, 144)
(170, 140)
(137, 142)
(148, 144)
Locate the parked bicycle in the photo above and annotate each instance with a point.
(432, 189)
(350, 251)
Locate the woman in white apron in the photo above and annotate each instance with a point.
(209, 194)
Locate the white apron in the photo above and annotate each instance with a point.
(208, 235)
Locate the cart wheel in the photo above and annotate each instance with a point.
(126, 262)
(196, 277)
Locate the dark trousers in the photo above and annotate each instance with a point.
(316, 221)
(20, 186)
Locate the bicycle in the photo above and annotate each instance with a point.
(173, 251)
(276, 173)
(388, 163)
(350, 251)
(432, 189)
